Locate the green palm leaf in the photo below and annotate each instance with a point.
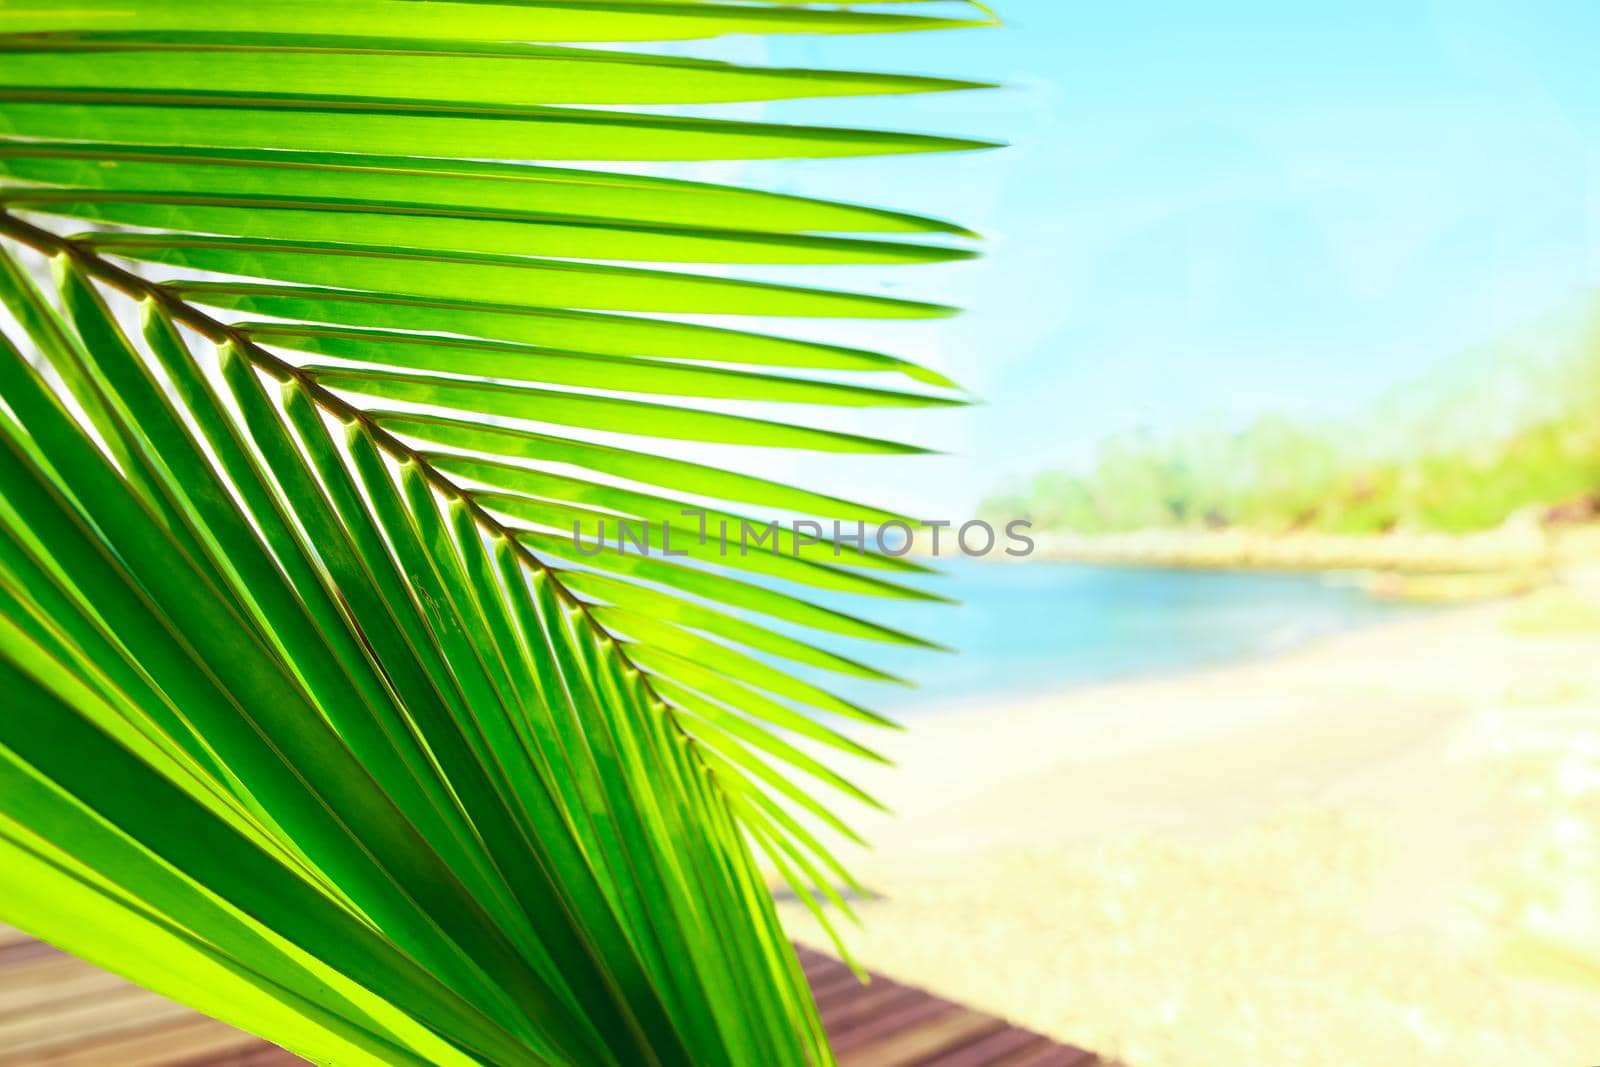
(319, 717)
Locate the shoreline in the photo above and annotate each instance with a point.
(1034, 695)
(1183, 870)
(1515, 547)
(1040, 699)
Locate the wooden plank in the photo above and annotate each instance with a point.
(87, 1021)
(1051, 1055)
(10, 935)
(854, 989)
(37, 989)
(914, 1045)
(45, 969)
(258, 1055)
(819, 964)
(988, 1050)
(920, 1011)
(184, 1040)
(56, 1011)
(16, 953)
(845, 1011)
(841, 983)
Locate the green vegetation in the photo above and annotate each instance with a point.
(313, 720)
(1509, 429)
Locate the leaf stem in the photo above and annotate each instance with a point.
(218, 332)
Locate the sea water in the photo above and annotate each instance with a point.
(1039, 626)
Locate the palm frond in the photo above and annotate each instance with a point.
(319, 717)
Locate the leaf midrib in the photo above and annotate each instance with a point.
(219, 332)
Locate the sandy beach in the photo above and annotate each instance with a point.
(1376, 849)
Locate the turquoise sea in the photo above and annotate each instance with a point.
(1027, 627)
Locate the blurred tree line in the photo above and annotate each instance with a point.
(1509, 429)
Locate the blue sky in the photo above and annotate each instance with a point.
(1213, 210)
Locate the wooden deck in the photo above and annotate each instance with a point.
(57, 1011)
(887, 1024)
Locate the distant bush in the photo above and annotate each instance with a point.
(1511, 428)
